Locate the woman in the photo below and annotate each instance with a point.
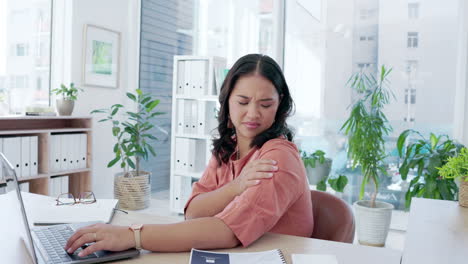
(254, 183)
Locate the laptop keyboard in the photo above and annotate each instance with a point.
(53, 240)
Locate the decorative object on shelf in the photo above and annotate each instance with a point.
(424, 157)
(69, 95)
(101, 55)
(366, 129)
(133, 186)
(457, 168)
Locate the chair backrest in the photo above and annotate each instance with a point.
(333, 218)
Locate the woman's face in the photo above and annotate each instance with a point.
(252, 106)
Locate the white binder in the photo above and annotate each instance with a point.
(55, 153)
(187, 116)
(180, 116)
(201, 122)
(75, 151)
(195, 155)
(180, 150)
(34, 152)
(202, 78)
(180, 77)
(83, 150)
(25, 156)
(64, 184)
(1, 167)
(194, 117)
(188, 78)
(195, 73)
(64, 154)
(24, 186)
(12, 151)
(176, 192)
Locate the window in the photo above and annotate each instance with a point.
(412, 39)
(317, 77)
(365, 14)
(24, 55)
(413, 10)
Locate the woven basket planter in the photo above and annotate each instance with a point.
(133, 193)
(463, 193)
(372, 224)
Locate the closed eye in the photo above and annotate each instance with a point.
(242, 103)
(266, 106)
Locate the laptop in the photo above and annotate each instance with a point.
(45, 244)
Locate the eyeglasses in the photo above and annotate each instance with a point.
(69, 198)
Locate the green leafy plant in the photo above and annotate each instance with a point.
(132, 134)
(425, 156)
(68, 93)
(310, 159)
(367, 127)
(456, 167)
(337, 184)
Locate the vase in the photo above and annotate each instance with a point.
(320, 172)
(372, 223)
(133, 192)
(65, 107)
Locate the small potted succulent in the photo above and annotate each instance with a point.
(457, 168)
(69, 95)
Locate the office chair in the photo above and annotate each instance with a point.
(333, 218)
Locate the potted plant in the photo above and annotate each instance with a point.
(366, 129)
(317, 166)
(69, 95)
(132, 186)
(424, 157)
(457, 168)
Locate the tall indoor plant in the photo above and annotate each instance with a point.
(366, 129)
(66, 103)
(424, 157)
(132, 186)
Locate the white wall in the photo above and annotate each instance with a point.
(121, 16)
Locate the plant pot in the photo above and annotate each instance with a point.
(65, 107)
(463, 193)
(372, 223)
(320, 172)
(133, 193)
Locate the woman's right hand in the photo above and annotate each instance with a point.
(252, 173)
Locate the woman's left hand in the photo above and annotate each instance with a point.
(107, 237)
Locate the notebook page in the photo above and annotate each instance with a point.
(313, 258)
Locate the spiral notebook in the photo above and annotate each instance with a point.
(263, 257)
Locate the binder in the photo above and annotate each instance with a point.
(64, 184)
(194, 117)
(176, 193)
(187, 116)
(55, 153)
(12, 151)
(202, 79)
(75, 150)
(180, 77)
(201, 122)
(195, 155)
(179, 153)
(64, 152)
(1, 167)
(195, 76)
(83, 150)
(187, 78)
(34, 152)
(180, 116)
(25, 156)
(24, 186)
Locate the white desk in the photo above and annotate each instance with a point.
(437, 233)
(345, 253)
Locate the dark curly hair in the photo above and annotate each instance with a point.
(225, 145)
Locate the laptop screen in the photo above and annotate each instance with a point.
(18, 231)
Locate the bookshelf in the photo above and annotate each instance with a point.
(45, 128)
(196, 84)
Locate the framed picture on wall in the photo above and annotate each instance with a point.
(101, 57)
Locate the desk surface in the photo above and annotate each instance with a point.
(345, 253)
(437, 232)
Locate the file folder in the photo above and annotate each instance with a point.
(64, 184)
(176, 192)
(180, 150)
(12, 151)
(194, 117)
(56, 160)
(188, 78)
(83, 150)
(180, 116)
(180, 77)
(34, 148)
(25, 156)
(187, 116)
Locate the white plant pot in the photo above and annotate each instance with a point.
(65, 107)
(133, 193)
(372, 224)
(320, 172)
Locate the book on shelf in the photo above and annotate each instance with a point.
(40, 114)
(274, 256)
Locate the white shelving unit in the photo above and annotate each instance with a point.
(196, 85)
